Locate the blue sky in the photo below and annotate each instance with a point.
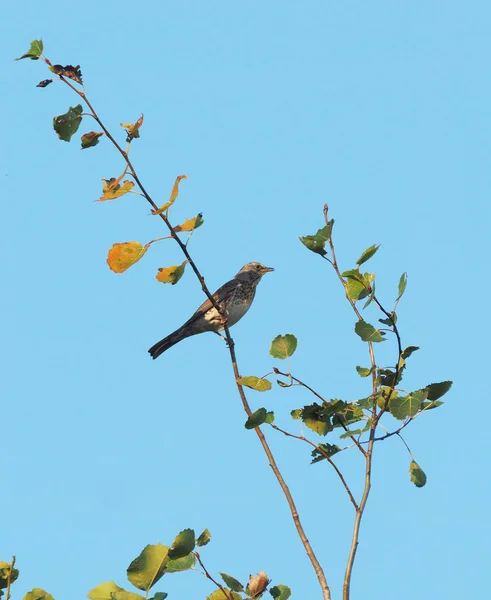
(381, 110)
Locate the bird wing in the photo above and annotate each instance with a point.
(222, 294)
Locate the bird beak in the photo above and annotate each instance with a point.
(268, 269)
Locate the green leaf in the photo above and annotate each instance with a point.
(33, 53)
(364, 371)
(352, 432)
(280, 592)
(371, 297)
(334, 406)
(388, 378)
(255, 383)
(368, 333)
(66, 125)
(149, 566)
(257, 418)
(315, 419)
(322, 450)
(183, 544)
(369, 252)
(367, 403)
(408, 351)
(218, 595)
(283, 346)
(5, 570)
(437, 390)
(181, 564)
(390, 322)
(269, 417)
(418, 476)
(38, 594)
(431, 405)
(402, 407)
(204, 538)
(296, 413)
(125, 595)
(351, 413)
(104, 591)
(317, 242)
(232, 583)
(356, 290)
(402, 286)
(352, 274)
(91, 139)
(159, 596)
(310, 242)
(283, 384)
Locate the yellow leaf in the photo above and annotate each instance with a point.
(255, 383)
(171, 274)
(111, 189)
(132, 129)
(122, 256)
(173, 196)
(190, 224)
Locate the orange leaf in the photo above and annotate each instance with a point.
(190, 224)
(132, 129)
(171, 274)
(173, 196)
(122, 256)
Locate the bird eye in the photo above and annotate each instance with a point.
(258, 267)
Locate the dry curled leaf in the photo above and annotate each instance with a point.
(68, 71)
(173, 196)
(112, 189)
(257, 583)
(132, 129)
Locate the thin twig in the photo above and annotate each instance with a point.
(208, 576)
(323, 400)
(397, 367)
(325, 455)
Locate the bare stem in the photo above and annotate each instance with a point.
(358, 517)
(326, 592)
(369, 452)
(323, 400)
(325, 455)
(208, 576)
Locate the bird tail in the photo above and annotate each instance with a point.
(160, 347)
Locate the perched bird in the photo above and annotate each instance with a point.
(234, 298)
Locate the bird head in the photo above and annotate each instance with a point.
(253, 271)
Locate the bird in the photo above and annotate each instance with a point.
(234, 299)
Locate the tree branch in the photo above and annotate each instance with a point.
(296, 519)
(325, 455)
(323, 400)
